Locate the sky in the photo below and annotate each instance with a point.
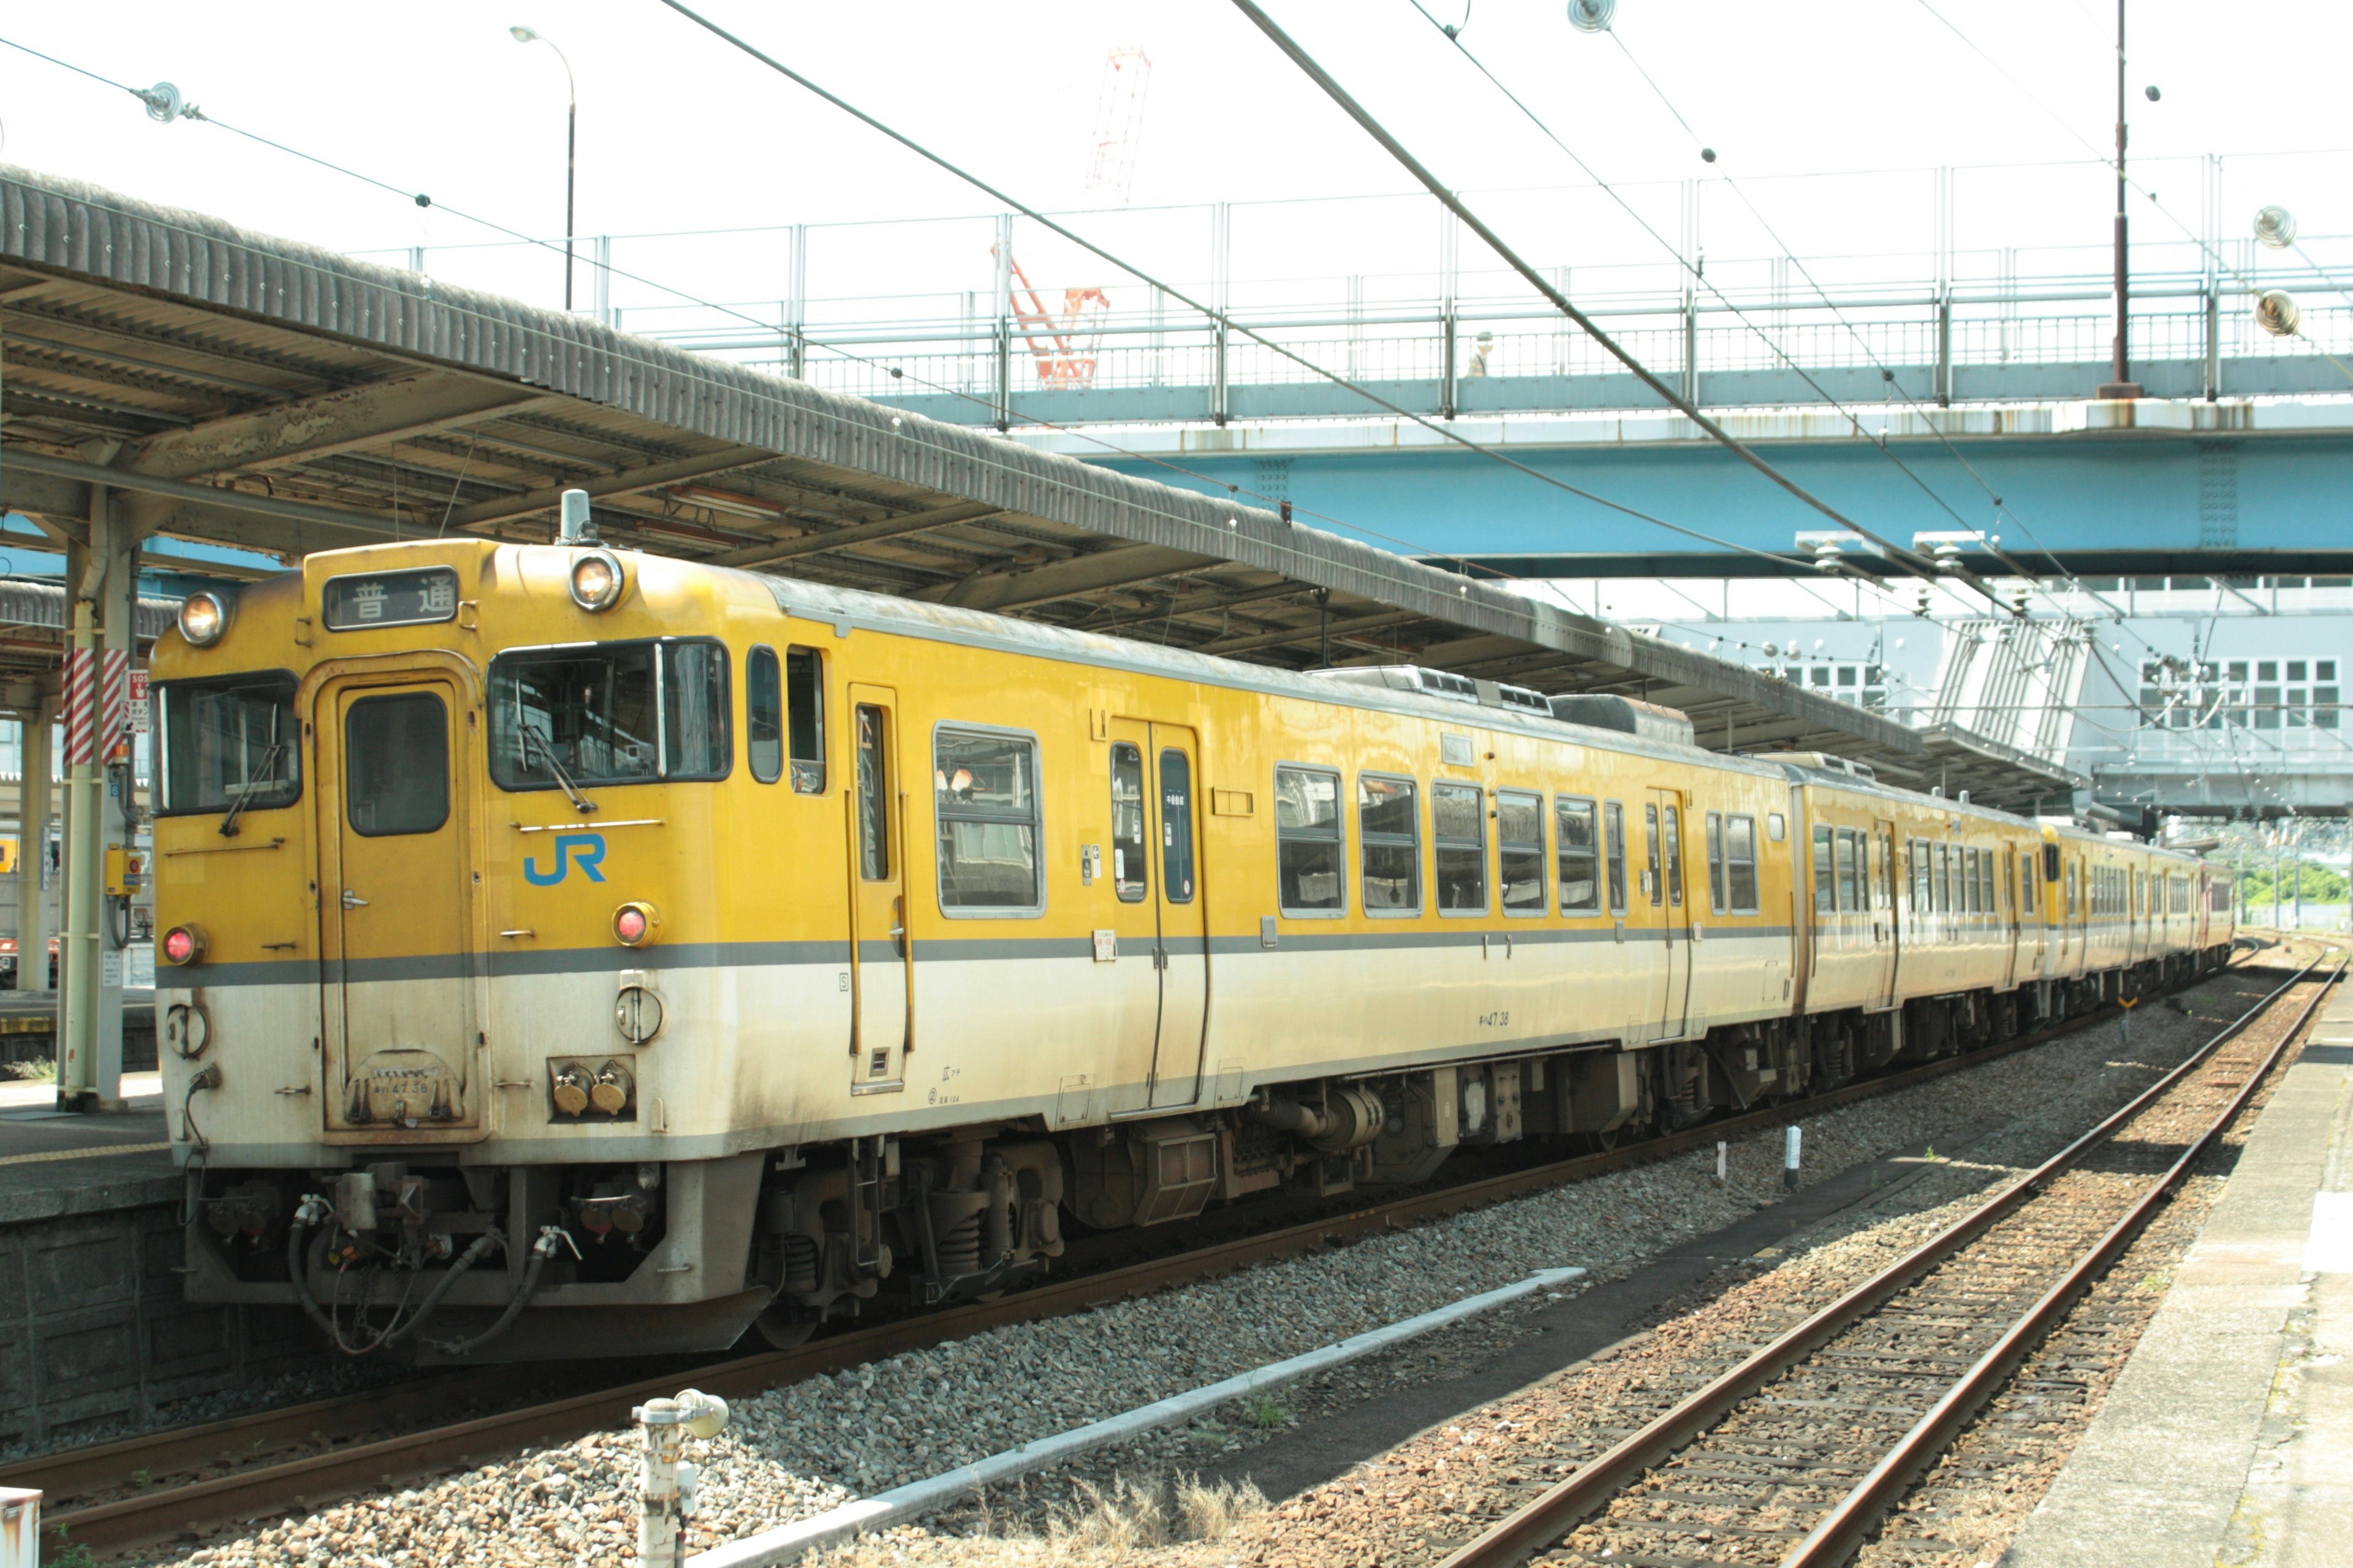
(678, 131)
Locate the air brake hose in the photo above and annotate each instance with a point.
(551, 1236)
(313, 1209)
(426, 1309)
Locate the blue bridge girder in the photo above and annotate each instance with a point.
(2229, 487)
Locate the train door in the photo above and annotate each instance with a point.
(881, 951)
(1880, 877)
(395, 907)
(1662, 817)
(1159, 939)
(1184, 921)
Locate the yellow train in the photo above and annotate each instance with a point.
(572, 952)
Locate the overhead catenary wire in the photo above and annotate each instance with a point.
(1274, 546)
(1560, 302)
(1991, 544)
(1699, 275)
(1213, 314)
(194, 112)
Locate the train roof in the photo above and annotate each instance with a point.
(982, 628)
(1490, 707)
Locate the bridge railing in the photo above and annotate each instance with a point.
(1984, 285)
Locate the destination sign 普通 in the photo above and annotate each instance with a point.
(391, 599)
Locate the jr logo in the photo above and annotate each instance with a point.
(584, 849)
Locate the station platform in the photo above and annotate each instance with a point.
(56, 1164)
(2229, 1436)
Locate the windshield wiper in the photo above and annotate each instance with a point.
(530, 738)
(253, 784)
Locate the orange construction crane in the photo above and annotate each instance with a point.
(1067, 346)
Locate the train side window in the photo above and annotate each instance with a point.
(763, 715)
(1715, 897)
(1984, 880)
(873, 797)
(1177, 827)
(985, 785)
(2071, 889)
(1580, 853)
(1844, 849)
(1740, 865)
(2026, 880)
(1388, 832)
(1862, 869)
(1520, 851)
(1128, 849)
(1825, 872)
(805, 718)
(1651, 876)
(1943, 865)
(1675, 856)
(1613, 821)
(1458, 821)
(1312, 861)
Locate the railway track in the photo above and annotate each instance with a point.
(186, 1480)
(1793, 1450)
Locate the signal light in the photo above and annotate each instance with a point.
(634, 924)
(184, 945)
(204, 615)
(597, 580)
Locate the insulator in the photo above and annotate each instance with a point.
(164, 102)
(2277, 313)
(1591, 16)
(2275, 226)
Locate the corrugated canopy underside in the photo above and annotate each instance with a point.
(240, 389)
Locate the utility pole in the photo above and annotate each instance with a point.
(2122, 386)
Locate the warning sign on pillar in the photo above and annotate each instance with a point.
(138, 715)
(115, 699)
(80, 707)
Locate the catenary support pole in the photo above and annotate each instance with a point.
(79, 912)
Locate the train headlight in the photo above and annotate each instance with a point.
(183, 945)
(204, 615)
(634, 925)
(597, 580)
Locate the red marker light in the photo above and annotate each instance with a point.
(182, 944)
(633, 924)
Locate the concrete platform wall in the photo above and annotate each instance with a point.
(93, 1333)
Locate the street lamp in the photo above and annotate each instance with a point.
(571, 146)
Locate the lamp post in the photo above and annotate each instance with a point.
(571, 145)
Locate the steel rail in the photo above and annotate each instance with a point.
(1560, 1507)
(1843, 1528)
(261, 1490)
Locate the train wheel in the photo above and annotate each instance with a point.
(784, 1328)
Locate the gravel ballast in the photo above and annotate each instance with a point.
(797, 1451)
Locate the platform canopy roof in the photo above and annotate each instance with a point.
(239, 389)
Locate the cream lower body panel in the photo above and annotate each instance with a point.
(753, 1057)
